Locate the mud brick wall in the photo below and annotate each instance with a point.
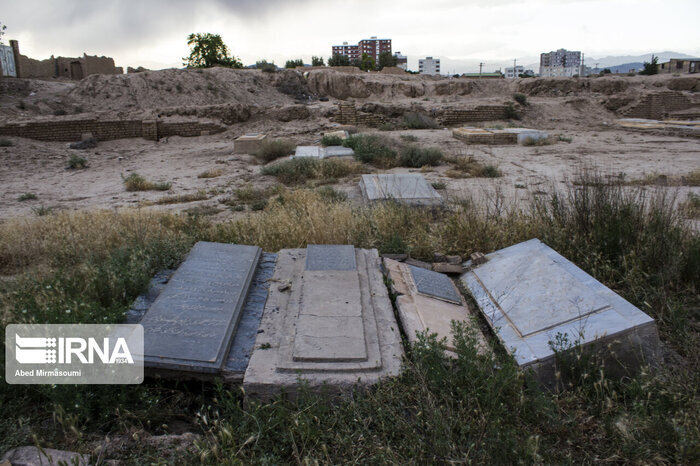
(105, 130)
(657, 106)
(348, 115)
(480, 113)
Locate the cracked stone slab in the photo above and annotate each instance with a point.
(529, 294)
(331, 328)
(330, 257)
(435, 284)
(410, 188)
(419, 312)
(190, 325)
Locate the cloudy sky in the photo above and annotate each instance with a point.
(152, 33)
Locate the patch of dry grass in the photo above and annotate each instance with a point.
(180, 198)
(211, 173)
(136, 182)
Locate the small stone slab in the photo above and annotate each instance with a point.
(308, 151)
(410, 188)
(434, 284)
(530, 295)
(338, 151)
(330, 257)
(190, 325)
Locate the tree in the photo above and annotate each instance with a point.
(651, 67)
(209, 50)
(317, 61)
(264, 65)
(339, 60)
(386, 59)
(2, 31)
(367, 63)
(294, 63)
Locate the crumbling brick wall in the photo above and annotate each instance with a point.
(105, 130)
(348, 115)
(481, 113)
(658, 105)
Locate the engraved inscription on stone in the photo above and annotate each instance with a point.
(536, 293)
(435, 284)
(330, 257)
(190, 324)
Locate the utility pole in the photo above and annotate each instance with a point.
(514, 75)
(481, 64)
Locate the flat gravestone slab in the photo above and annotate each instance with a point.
(411, 188)
(308, 151)
(190, 325)
(434, 284)
(338, 151)
(531, 296)
(330, 257)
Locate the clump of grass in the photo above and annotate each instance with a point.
(660, 179)
(415, 120)
(42, 210)
(490, 171)
(183, 198)
(373, 149)
(136, 182)
(6, 143)
(693, 178)
(562, 138)
(211, 173)
(415, 156)
(273, 149)
(530, 141)
(439, 185)
(328, 193)
(690, 208)
(408, 138)
(299, 170)
(510, 112)
(248, 195)
(464, 166)
(77, 162)
(202, 211)
(331, 140)
(27, 197)
(520, 98)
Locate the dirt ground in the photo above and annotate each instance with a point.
(39, 168)
(577, 109)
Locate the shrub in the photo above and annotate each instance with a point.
(136, 182)
(415, 156)
(414, 120)
(76, 162)
(60, 112)
(562, 138)
(6, 143)
(408, 138)
(42, 210)
(530, 141)
(439, 184)
(372, 149)
(296, 171)
(274, 148)
(490, 171)
(211, 173)
(331, 140)
(329, 194)
(520, 98)
(183, 198)
(27, 197)
(510, 112)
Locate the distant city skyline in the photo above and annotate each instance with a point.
(461, 33)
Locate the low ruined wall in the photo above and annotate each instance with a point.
(480, 113)
(657, 106)
(348, 115)
(105, 130)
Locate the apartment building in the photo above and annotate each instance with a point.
(429, 65)
(372, 47)
(401, 61)
(560, 63)
(514, 72)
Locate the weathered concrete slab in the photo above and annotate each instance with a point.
(318, 152)
(248, 143)
(524, 134)
(420, 312)
(407, 188)
(342, 134)
(529, 294)
(333, 327)
(434, 284)
(190, 325)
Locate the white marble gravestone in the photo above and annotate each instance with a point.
(408, 188)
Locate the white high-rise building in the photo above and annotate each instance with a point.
(514, 72)
(429, 65)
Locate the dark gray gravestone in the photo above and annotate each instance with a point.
(435, 284)
(247, 331)
(330, 257)
(191, 324)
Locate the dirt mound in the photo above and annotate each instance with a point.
(684, 84)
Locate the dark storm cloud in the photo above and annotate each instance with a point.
(108, 26)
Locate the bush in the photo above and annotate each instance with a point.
(510, 112)
(27, 197)
(296, 171)
(414, 120)
(372, 149)
(76, 162)
(6, 143)
(331, 140)
(274, 149)
(520, 98)
(490, 171)
(211, 173)
(530, 141)
(136, 182)
(408, 138)
(439, 184)
(415, 156)
(329, 194)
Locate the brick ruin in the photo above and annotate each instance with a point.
(659, 105)
(105, 130)
(348, 115)
(62, 67)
